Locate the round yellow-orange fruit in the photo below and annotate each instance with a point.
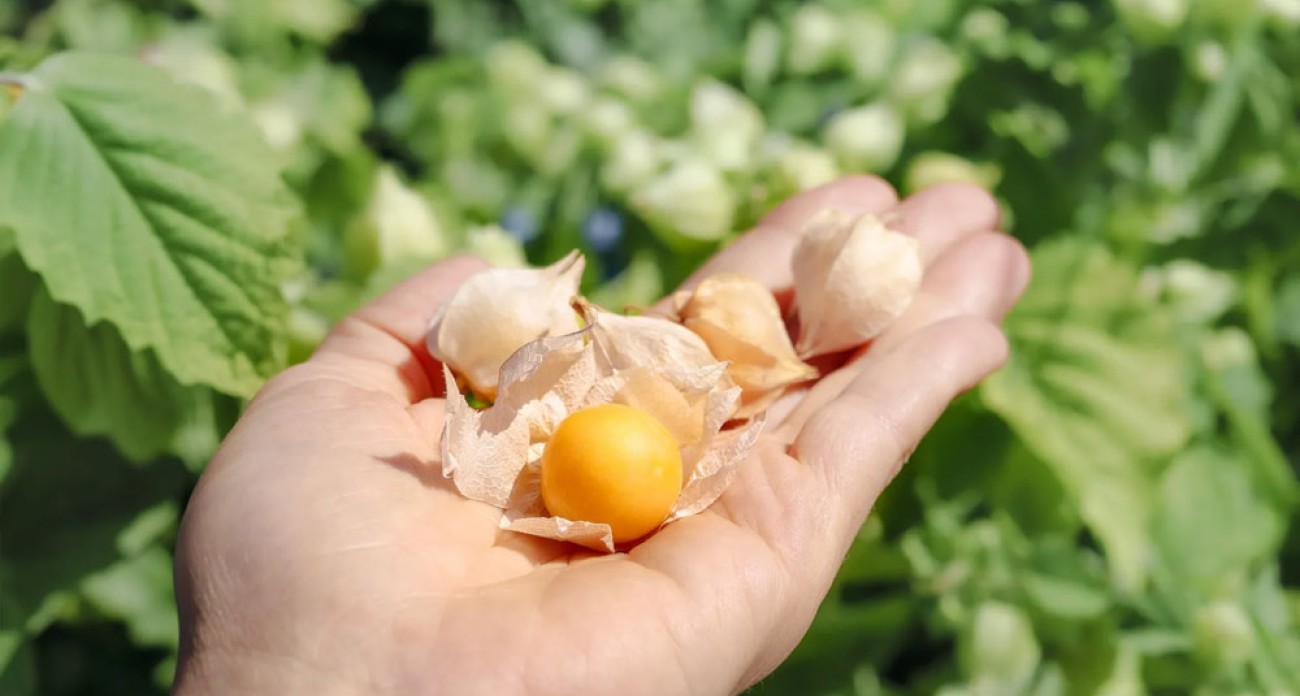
(613, 464)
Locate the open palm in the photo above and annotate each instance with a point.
(323, 552)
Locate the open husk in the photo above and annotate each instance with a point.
(708, 372)
(494, 313)
(494, 455)
(852, 277)
(739, 320)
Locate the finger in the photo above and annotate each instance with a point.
(857, 443)
(853, 194)
(942, 215)
(981, 276)
(381, 345)
(803, 512)
(764, 252)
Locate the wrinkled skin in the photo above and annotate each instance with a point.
(323, 552)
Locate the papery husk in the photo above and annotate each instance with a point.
(852, 277)
(545, 381)
(525, 513)
(629, 341)
(482, 462)
(716, 467)
(740, 322)
(483, 452)
(595, 536)
(494, 456)
(495, 313)
(682, 413)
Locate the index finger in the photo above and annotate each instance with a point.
(764, 252)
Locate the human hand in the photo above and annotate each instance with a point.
(324, 553)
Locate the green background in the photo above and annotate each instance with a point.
(1111, 514)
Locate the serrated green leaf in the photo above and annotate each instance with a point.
(1094, 387)
(138, 201)
(98, 385)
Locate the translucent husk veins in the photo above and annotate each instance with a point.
(495, 313)
(852, 277)
(493, 455)
(741, 323)
(708, 371)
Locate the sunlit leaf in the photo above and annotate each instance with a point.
(99, 386)
(139, 202)
(1095, 387)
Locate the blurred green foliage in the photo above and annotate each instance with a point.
(1113, 513)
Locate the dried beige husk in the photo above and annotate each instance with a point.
(513, 335)
(852, 277)
(650, 363)
(495, 313)
(740, 322)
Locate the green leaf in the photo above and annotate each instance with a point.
(998, 650)
(10, 367)
(1278, 659)
(252, 20)
(1030, 492)
(99, 25)
(1065, 582)
(464, 27)
(138, 201)
(99, 386)
(138, 591)
(17, 659)
(1095, 387)
(1210, 554)
(16, 287)
(1236, 382)
(843, 637)
(1288, 310)
(1066, 598)
(71, 508)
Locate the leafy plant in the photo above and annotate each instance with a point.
(191, 192)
